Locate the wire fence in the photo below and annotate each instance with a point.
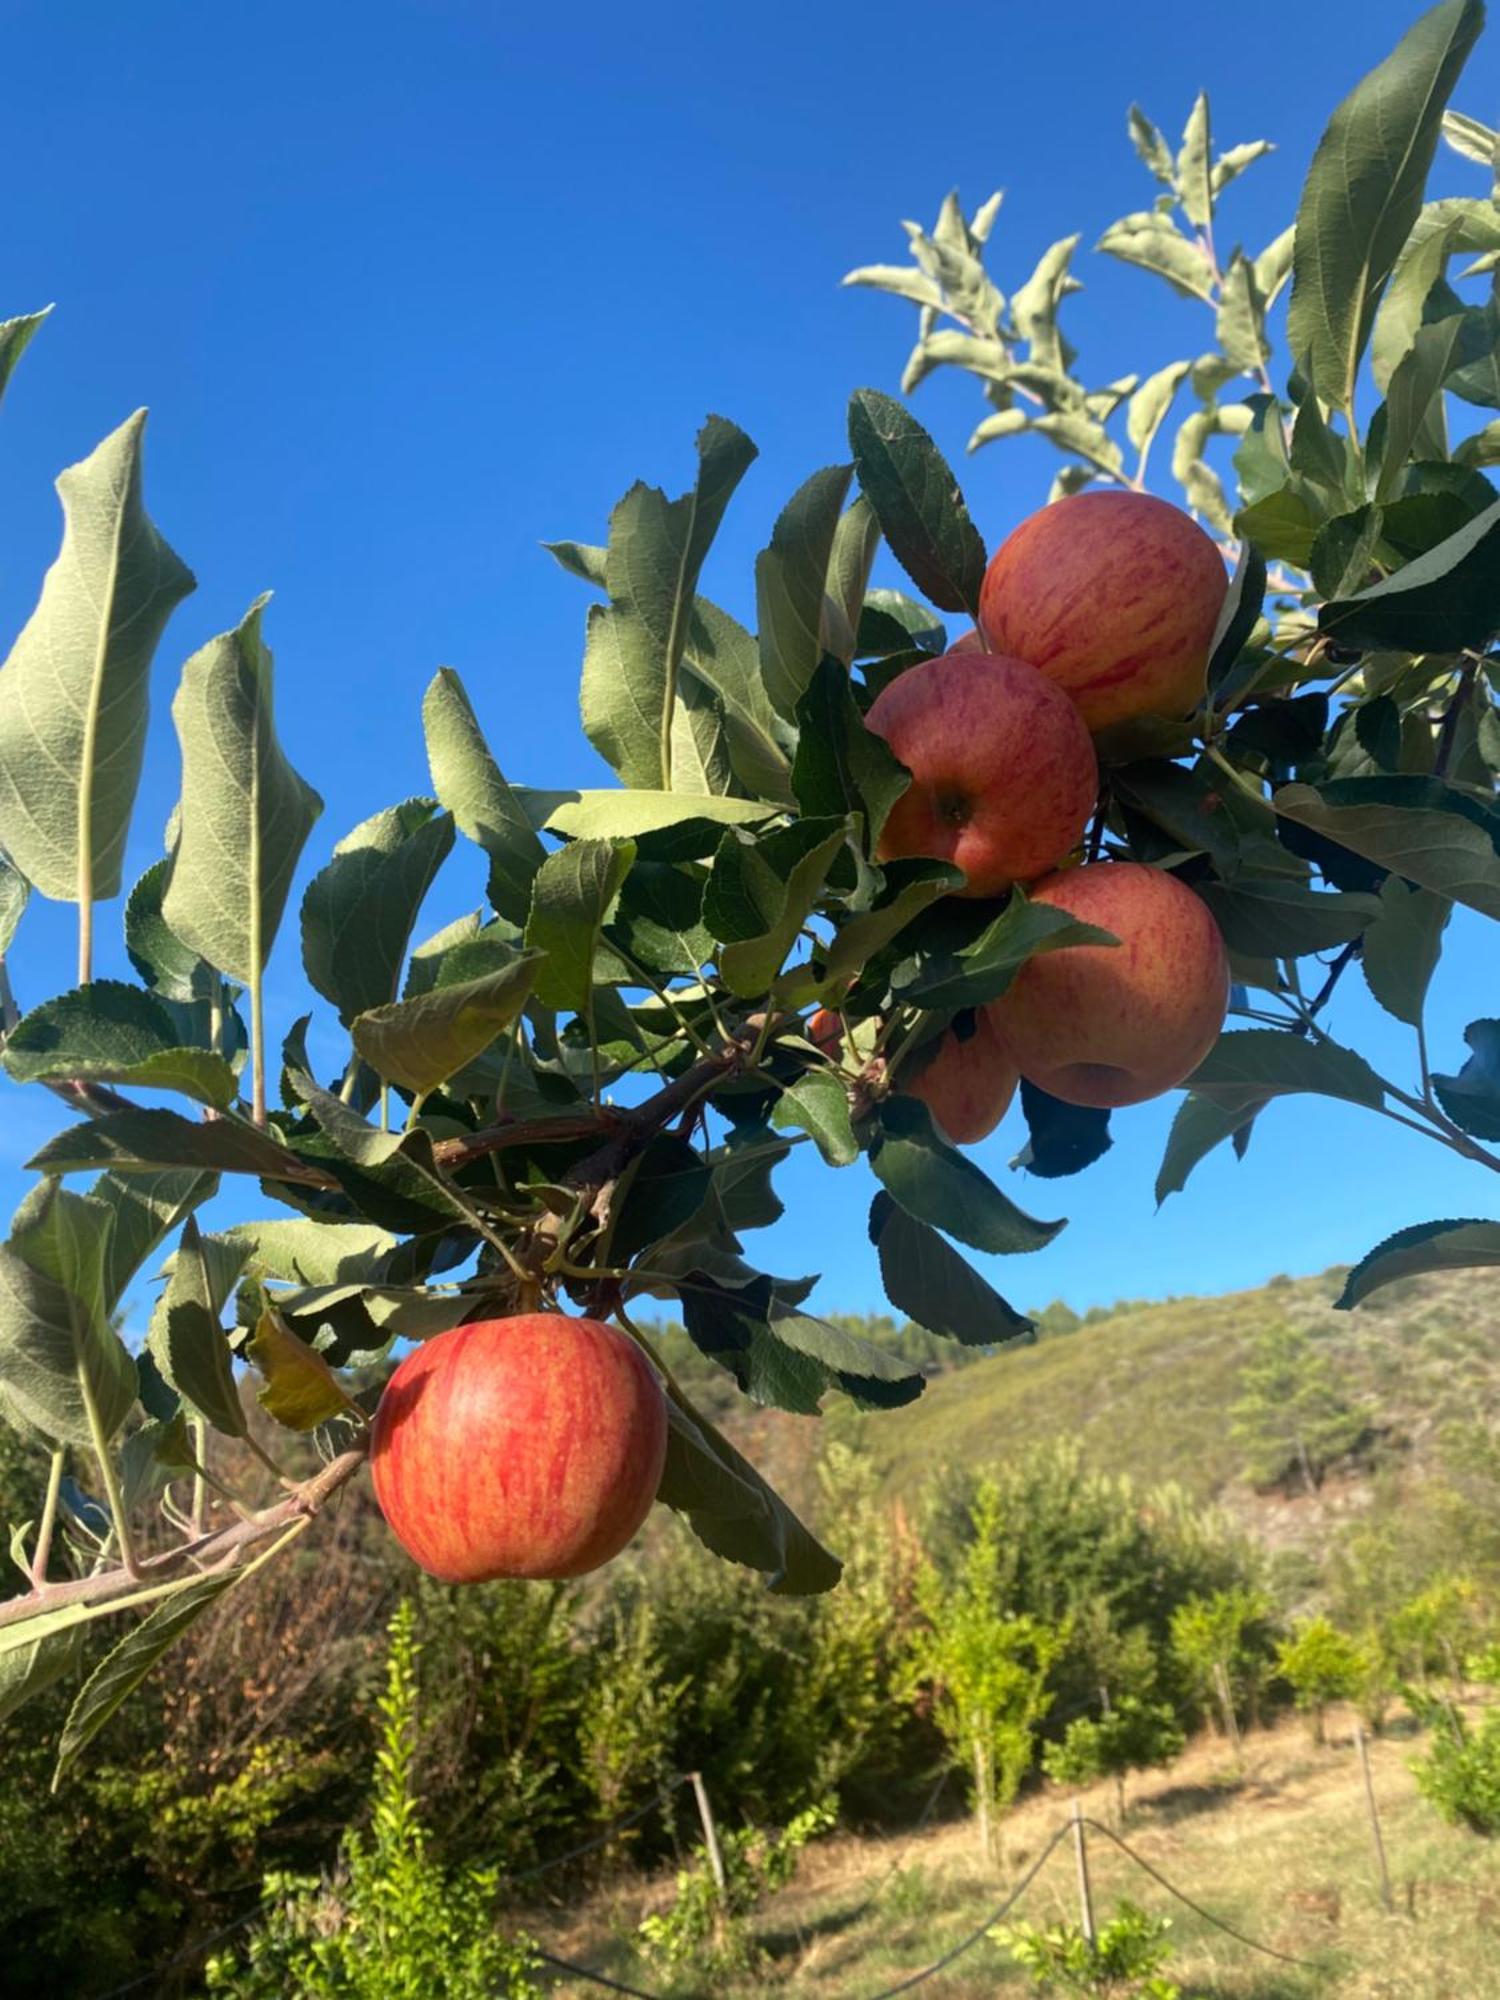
(558, 1966)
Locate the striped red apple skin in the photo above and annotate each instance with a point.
(523, 1447)
(1115, 597)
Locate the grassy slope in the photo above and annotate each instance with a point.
(1282, 1853)
(1147, 1389)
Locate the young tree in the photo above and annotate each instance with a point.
(1292, 1418)
(984, 1668)
(542, 1113)
(1131, 1735)
(1223, 1643)
(1321, 1664)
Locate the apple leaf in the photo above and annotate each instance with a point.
(925, 1278)
(145, 1141)
(60, 1359)
(111, 1032)
(984, 969)
(469, 783)
(358, 912)
(1472, 1097)
(1445, 600)
(1065, 1138)
(842, 766)
(917, 502)
(818, 1104)
(571, 901)
(1200, 1125)
(1428, 832)
(761, 891)
(146, 1209)
(1462, 1245)
(1285, 919)
(424, 1041)
(300, 1390)
(1242, 1070)
(934, 1183)
(16, 335)
(186, 1338)
(733, 1511)
(1402, 948)
(790, 582)
(619, 815)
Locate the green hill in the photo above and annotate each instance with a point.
(1147, 1389)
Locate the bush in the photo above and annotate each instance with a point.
(1460, 1774)
(1320, 1664)
(709, 1929)
(389, 1923)
(1124, 1958)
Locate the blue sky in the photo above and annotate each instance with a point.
(409, 288)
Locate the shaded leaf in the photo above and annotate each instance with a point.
(1200, 1124)
(422, 1042)
(1402, 947)
(358, 912)
(984, 969)
(1472, 1097)
(186, 1338)
(145, 1141)
(841, 765)
(791, 580)
(1065, 1138)
(937, 1185)
(917, 502)
(1243, 1069)
(925, 1278)
(59, 1355)
(571, 901)
(109, 1032)
(1465, 1244)
(818, 1104)
(1426, 831)
(1444, 601)
(299, 1389)
(760, 893)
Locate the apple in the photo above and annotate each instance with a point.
(1106, 1025)
(1004, 775)
(1115, 596)
(524, 1447)
(825, 1031)
(966, 1081)
(972, 641)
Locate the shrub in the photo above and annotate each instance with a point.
(389, 1924)
(1460, 1773)
(1320, 1664)
(1130, 1737)
(1124, 1958)
(709, 1928)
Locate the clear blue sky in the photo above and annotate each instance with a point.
(410, 287)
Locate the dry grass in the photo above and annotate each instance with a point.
(1280, 1851)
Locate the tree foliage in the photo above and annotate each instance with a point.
(580, 1094)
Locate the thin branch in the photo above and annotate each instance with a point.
(42, 1553)
(219, 1550)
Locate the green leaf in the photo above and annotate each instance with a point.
(761, 891)
(917, 502)
(1233, 161)
(1064, 1138)
(667, 1187)
(721, 677)
(581, 559)
(850, 562)
(422, 1042)
(15, 892)
(397, 1184)
(1241, 320)
(122, 1670)
(468, 782)
(1153, 242)
(937, 1185)
(621, 815)
(1238, 616)
(818, 1103)
(635, 644)
(59, 1355)
(1402, 948)
(1152, 147)
(1420, 828)
(1471, 139)
(1363, 193)
(146, 1209)
(358, 912)
(186, 1339)
(983, 970)
(132, 1142)
(16, 335)
(245, 812)
(1242, 1070)
(733, 1511)
(791, 578)
(658, 919)
(1150, 403)
(571, 900)
(30, 1668)
(1414, 400)
(1200, 1125)
(1194, 181)
(1285, 919)
(910, 888)
(873, 1376)
(169, 967)
(300, 1390)
(1446, 600)
(842, 766)
(1472, 1098)
(1443, 229)
(1466, 1244)
(926, 1279)
(306, 1252)
(109, 1032)
(73, 694)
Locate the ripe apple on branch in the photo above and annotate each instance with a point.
(853, 882)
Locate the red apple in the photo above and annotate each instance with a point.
(967, 1083)
(971, 641)
(525, 1447)
(825, 1031)
(1004, 775)
(1115, 596)
(1105, 1025)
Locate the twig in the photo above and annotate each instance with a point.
(215, 1551)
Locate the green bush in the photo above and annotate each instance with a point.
(1460, 1774)
(1124, 1958)
(1320, 1664)
(708, 1928)
(389, 1923)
